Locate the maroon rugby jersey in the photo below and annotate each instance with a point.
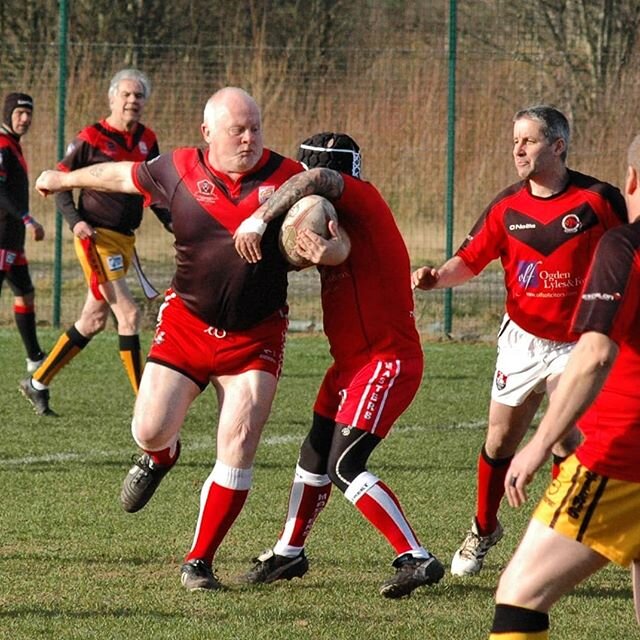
(545, 246)
(367, 300)
(14, 192)
(610, 304)
(212, 280)
(97, 143)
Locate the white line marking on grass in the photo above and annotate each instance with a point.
(456, 425)
(55, 458)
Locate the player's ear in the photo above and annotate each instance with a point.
(560, 146)
(631, 183)
(206, 132)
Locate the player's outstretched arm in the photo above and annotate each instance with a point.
(106, 176)
(425, 278)
(452, 273)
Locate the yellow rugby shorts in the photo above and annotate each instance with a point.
(600, 512)
(115, 251)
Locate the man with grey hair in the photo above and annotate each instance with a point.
(130, 74)
(103, 225)
(588, 516)
(544, 229)
(223, 321)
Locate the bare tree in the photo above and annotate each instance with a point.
(594, 40)
(584, 46)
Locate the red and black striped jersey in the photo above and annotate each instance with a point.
(97, 143)
(14, 192)
(610, 304)
(212, 280)
(367, 301)
(545, 246)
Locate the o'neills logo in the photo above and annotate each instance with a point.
(571, 223)
(206, 191)
(522, 226)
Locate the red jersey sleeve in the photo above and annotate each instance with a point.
(484, 242)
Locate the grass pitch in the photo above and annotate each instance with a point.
(75, 566)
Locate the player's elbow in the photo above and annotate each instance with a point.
(602, 350)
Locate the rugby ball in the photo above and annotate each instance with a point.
(311, 212)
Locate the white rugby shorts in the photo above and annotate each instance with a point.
(524, 363)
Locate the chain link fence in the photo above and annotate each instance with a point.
(392, 99)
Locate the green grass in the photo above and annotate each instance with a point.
(75, 566)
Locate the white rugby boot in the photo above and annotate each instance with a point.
(468, 559)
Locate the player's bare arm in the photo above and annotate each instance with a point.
(424, 278)
(322, 182)
(587, 369)
(105, 176)
(452, 273)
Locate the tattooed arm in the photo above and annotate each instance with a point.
(106, 176)
(322, 182)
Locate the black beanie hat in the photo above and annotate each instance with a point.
(13, 101)
(330, 150)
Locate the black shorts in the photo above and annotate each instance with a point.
(19, 279)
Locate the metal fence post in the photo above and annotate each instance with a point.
(62, 94)
(451, 142)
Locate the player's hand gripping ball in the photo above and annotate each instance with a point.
(311, 212)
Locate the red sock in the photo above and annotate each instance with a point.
(166, 457)
(221, 500)
(378, 504)
(308, 497)
(491, 475)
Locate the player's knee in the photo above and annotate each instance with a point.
(134, 318)
(344, 467)
(25, 299)
(146, 436)
(140, 433)
(129, 320)
(314, 452)
(349, 455)
(311, 459)
(92, 322)
(338, 478)
(509, 589)
(501, 442)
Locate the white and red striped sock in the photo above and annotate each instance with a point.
(222, 497)
(308, 496)
(379, 505)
